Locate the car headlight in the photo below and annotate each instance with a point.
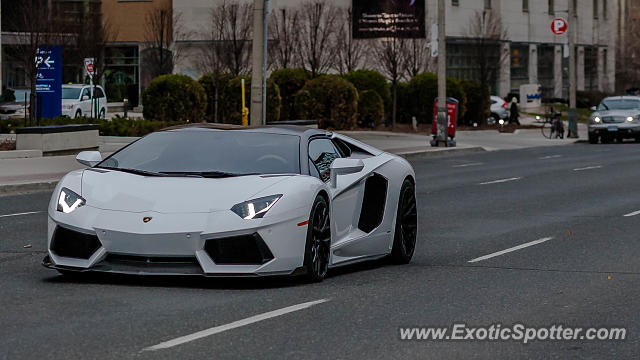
(256, 208)
(69, 201)
(630, 118)
(596, 120)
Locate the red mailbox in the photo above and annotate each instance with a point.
(452, 117)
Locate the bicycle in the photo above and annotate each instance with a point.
(552, 125)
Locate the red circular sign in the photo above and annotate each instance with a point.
(90, 68)
(558, 26)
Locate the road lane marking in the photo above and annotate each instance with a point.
(633, 214)
(500, 181)
(467, 165)
(526, 245)
(588, 168)
(20, 214)
(236, 324)
(550, 157)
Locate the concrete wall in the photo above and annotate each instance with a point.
(129, 17)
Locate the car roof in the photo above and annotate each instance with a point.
(77, 86)
(622, 97)
(301, 131)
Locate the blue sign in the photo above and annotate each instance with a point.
(49, 81)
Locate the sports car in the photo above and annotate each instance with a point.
(233, 201)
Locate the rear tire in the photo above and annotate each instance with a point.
(318, 245)
(102, 115)
(404, 239)
(593, 139)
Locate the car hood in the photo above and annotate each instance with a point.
(119, 191)
(632, 112)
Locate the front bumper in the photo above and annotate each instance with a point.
(620, 130)
(208, 244)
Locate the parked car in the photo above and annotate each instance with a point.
(498, 109)
(16, 107)
(616, 118)
(76, 101)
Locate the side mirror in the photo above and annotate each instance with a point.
(593, 108)
(342, 166)
(89, 158)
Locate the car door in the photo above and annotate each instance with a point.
(346, 198)
(85, 101)
(101, 100)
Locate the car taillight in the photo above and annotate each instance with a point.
(504, 105)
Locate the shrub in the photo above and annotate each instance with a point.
(214, 84)
(289, 81)
(423, 90)
(371, 80)
(331, 100)
(231, 100)
(370, 109)
(176, 98)
(587, 99)
(478, 102)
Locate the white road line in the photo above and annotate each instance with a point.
(536, 242)
(467, 165)
(550, 157)
(500, 181)
(633, 214)
(588, 168)
(236, 324)
(19, 214)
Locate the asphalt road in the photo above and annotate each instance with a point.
(586, 275)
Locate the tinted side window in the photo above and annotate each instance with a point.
(86, 94)
(99, 93)
(322, 152)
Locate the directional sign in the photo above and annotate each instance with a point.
(558, 26)
(49, 82)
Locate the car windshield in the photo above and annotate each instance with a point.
(70, 93)
(209, 153)
(619, 104)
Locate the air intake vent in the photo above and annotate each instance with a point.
(73, 244)
(239, 250)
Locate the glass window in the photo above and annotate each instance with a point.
(619, 104)
(99, 93)
(455, 2)
(322, 152)
(86, 94)
(198, 151)
(70, 93)
(487, 4)
(595, 9)
(525, 5)
(551, 7)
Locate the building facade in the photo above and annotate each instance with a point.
(528, 52)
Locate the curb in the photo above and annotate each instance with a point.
(428, 154)
(29, 187)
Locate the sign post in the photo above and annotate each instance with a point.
(48, 82)
(89, 69)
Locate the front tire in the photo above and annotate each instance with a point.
(404, 240)
(318, 246)
(593, 139)
(78, 114)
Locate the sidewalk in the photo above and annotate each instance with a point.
(42, 173)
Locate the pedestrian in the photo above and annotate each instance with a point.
(513, 112)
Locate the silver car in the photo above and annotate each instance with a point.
(616, 118)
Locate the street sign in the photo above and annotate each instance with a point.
(89, 67)
(49, 82)
(558, 26)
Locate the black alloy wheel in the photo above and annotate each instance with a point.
(404, 241)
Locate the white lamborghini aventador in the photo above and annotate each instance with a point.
(226, 201)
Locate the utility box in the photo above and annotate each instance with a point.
(453, 106)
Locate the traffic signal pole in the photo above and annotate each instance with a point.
(571, 33)
(258, 78)
(442, 76)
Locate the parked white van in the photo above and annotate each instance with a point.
(76, 101)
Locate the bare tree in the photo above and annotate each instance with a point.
(390, 55)
(349, 51)
(230, 34)
(418, 58)
(317, 35)
(284, 30)
(162, 28)
(37, 28)
(487, 32)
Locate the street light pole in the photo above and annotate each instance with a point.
(258, 78)
(571, 33)
(442, 76)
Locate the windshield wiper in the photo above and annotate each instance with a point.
(133, 171)
(206, 174)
